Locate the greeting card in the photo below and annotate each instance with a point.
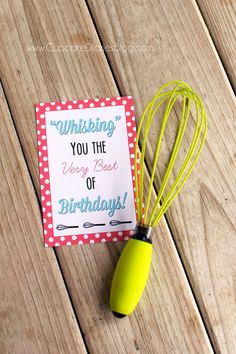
(86, 163)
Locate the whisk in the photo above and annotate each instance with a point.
(133, 267)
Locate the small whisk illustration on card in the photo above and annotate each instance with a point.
(88, 225)
(62, 227)
(133, 267)
(119, 222)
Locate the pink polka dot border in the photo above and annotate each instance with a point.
(41, 110)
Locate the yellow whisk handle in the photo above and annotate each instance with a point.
(131, 274)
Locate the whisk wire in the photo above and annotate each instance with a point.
(171, 161)
(148, 124)
(184, 90)
(139, 186)
(139, 181)
(173, 190)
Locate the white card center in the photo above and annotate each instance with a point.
(90, 172)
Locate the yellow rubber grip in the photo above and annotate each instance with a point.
(130, 277)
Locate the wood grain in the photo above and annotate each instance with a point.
(35, 312)
(220, 17)
(154, 323)
(177, 45)
(167, 319)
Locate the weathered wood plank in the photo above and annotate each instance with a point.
(220, 17)
(35, 312)
(160, 321)
(202, 219)
(167, 319)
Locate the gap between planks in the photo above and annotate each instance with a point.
(103, 16)
(32, 325)
(215, 12)
(154, 186)
(40, 208)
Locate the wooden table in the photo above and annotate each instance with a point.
(56, 300)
